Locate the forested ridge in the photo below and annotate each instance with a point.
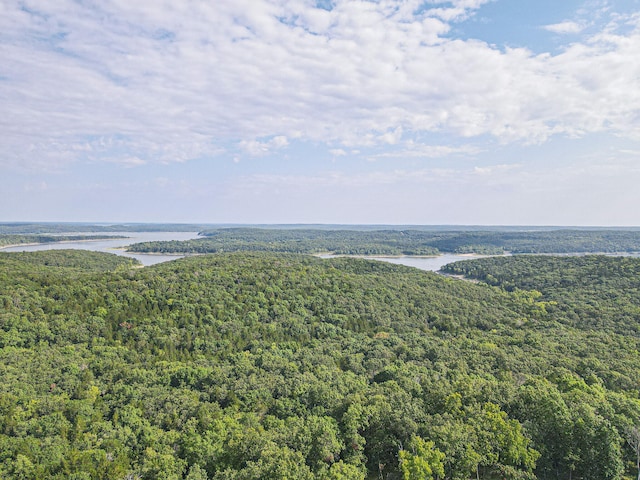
(399, 242)
(259, 365)
(592, 291)
(6, 240)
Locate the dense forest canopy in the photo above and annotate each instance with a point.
(260, 365)
(7, 240)
(399, 242)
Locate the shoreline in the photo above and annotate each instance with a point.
(124, 250)
(455, 276)
(37, 244)
(470, 255)
(339, 255)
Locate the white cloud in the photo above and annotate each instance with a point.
(337, 152)
(566, 27)
(129, 162)
(392, 137)
(411, 149)
(35, 187)
(336, 179)
(279, 141)
(166, 82)
(257, 148)
(493, 169)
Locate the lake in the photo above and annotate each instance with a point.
(115, 246)
(431, 264)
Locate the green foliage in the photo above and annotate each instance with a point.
(7, 240)
(399, 242)
(338, 242)
(421, 461)
(68, 259)
(270, 366)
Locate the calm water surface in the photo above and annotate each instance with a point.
(116, 245)
(432, 264)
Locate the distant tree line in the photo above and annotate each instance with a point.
(399, 242)
(6, 240)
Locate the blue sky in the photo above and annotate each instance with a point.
(509, 112)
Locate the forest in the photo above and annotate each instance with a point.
(263, 365)
(400, 242)
(22, 239)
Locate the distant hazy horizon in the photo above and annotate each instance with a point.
(321, 226)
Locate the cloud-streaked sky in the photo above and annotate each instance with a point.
(321, 111)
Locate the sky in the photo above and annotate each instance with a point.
(461, 112)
